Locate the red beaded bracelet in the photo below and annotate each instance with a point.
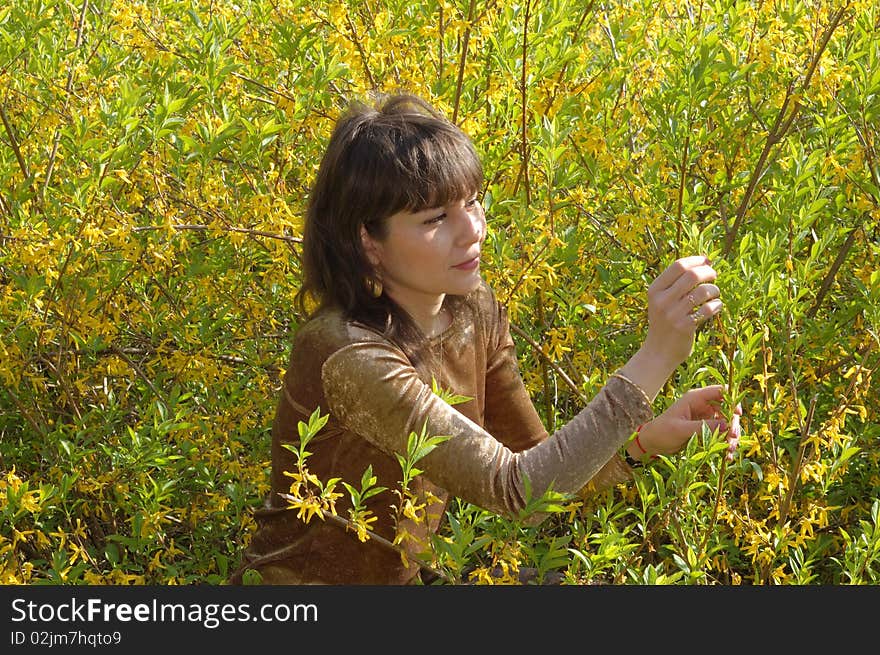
(639, 443)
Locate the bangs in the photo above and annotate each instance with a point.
(436, 172)
(418, 163)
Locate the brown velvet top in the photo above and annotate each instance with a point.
(375, 398)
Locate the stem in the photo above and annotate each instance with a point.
(229, 228)
(731, 392)
(525, 271)
(561, 76)
(524, 100)
(40, 430)
(767, 399)
(13, 142)
(832, 272)
(681, 183)
(781, 125)
(363, 55)
(56, 140)
(562, 374)
(440, 46)
(461, 62)
(545, 374)
(137, 369)
(795, 472)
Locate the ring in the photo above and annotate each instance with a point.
(692, 301)
(696, 316)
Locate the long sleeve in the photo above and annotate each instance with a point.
(510, 414)
(472, 464)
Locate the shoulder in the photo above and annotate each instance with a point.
(330, 330)
(486, 306)
(327, 333)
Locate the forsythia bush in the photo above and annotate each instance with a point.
(154, 161)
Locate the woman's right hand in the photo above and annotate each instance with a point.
(679, 301)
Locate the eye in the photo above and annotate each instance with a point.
(473, 202)
(435, 219)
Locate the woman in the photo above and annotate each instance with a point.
(391, 253)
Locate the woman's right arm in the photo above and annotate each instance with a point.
(679, 301)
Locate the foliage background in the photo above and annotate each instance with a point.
(154, 160)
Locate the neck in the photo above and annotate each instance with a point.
(428, 313)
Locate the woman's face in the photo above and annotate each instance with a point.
(430, 253)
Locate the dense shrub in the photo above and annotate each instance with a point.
(154, 159)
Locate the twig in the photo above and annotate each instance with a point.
(137, 369)
(24, 412)
(13, 142)
(681, 184)
(537, 347)
(766, 387)
(363, 55)
(559, 78)
(130, 350)
(832, 272)
(795, 472)
(68, 90)
(783, 122)
(525, 99)
(281, 237)
(731, 343)
(348, 525)
(462, 60)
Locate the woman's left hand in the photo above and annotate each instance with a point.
(669, 432)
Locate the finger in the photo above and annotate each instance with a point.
(690, 279)
(714, 424)
(698, 296)
(676, 269)
(732, 446)
(707, 396)
(695, 426)
(696, 313)
(703, 313)
(735, 430)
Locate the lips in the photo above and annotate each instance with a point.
(468, 264)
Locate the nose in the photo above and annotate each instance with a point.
(472, 225)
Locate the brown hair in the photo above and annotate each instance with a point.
(399, 155)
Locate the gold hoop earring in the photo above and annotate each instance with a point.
(375, 286)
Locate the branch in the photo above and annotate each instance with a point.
(68, 89)
(461, 63)
(271, 235)
(781, 125)
(22, 164)
(537, 347)
(137, 369)
(525, 100)
(832, 272)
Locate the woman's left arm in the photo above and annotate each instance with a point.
(511, 414)
(669, 432)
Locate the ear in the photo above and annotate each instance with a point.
(371, 248)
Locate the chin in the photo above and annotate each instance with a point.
(467, 287)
